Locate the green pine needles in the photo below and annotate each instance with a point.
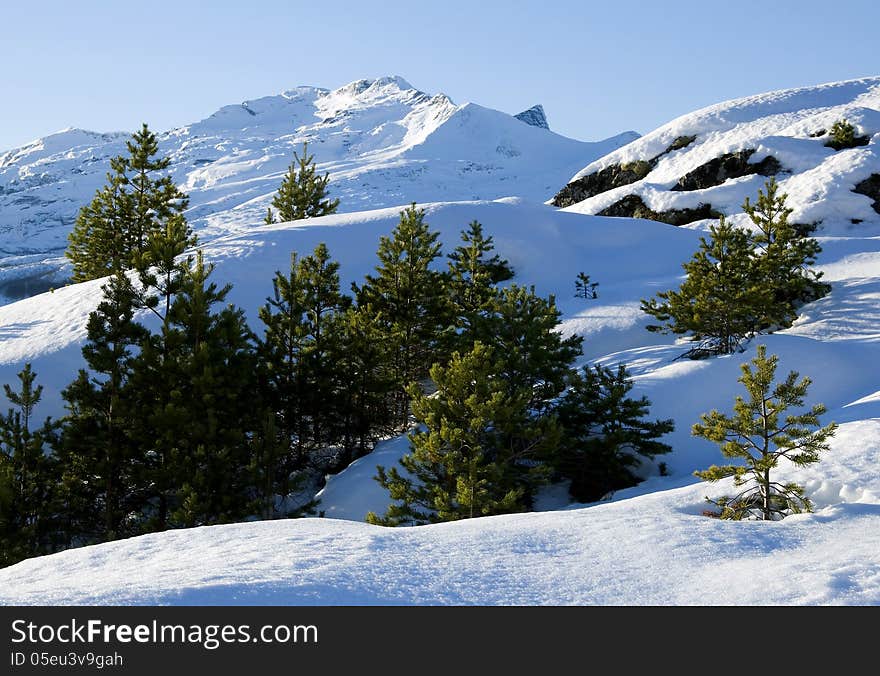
(741, 283)
(760, 433)
(112, 231)
(303, 192)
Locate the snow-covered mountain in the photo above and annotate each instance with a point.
(649, 544)
(383, 142)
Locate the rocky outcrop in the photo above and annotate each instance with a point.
(870, 187)
(678, 144)
(534, 116)
(613, 176)
(727, 166)
(632, 206)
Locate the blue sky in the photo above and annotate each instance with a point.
(597, 67)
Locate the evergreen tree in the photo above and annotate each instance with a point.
(162, 267)
(216, 404)
(365, 414)
(301, 353)
(324, 306)
(784, 253)
(760, 434)
(112, 230)
(843, 135)
(739, 284)
(281, 351)
(98, 241)
(303, 193)
(472, 279)
(26, 517)
(409, 297)
(99, 451)
(720, 302)
(605, 434)
(522, 329)
(460, 465)
(584, 288)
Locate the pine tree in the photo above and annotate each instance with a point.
(784, 254)
(459, 465)
(98, 243)
(473, 276)
(843, 135)
(216, 402)
(281, 350)
(162, 267)
(324, 307)
(303, 193)
(739, 283)
(522, 329)
(99, 451)
(720, 302)
(584, 288)
(301, 353)
(605, 434)
(112, 231)
(26, 508)
(760, 434)
(365, 359)
(410, 298)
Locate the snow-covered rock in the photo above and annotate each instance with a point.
(790, 127)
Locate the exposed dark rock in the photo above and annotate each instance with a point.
(730, 165)
(534, 116)
(870, 187)
(817, 134)
(632, 206)
(611, 177)
(677, 144)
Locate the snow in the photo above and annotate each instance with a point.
(646, 545)
(383, 142)
(817, 180)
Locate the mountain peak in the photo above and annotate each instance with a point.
(534, 116)
(359, 87)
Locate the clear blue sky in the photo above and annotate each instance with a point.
(597, 67)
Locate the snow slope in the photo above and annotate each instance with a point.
(383, 142)
(648, 545)
(782, 124)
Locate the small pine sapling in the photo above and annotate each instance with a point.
(584, 288)
(760, 434)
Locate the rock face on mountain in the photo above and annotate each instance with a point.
(384, 143)
(705, 164)
(534, 116)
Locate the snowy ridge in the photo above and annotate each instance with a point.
(787, 125)
(383, 142)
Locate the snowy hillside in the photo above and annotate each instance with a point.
(711, 160)
(383, 142)
(649, 544)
